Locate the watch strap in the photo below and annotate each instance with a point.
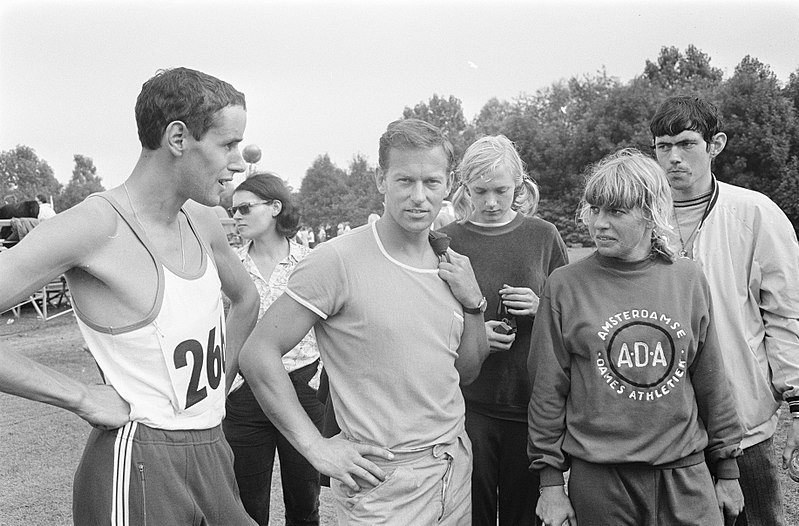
(481, 307)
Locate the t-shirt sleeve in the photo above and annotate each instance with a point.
(319, 281)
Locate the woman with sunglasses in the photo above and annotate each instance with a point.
(267, 220)
(511, 253)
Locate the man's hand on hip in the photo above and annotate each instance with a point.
(346, 461)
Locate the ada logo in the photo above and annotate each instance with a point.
(641, 354)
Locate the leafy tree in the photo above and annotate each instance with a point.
(492, 117)
(23, 175)
(760, 123)
(447, 115)
(602, 120)
(675, 71)
(561, 129)
(791, 92)
(84, 182)
(322, 193)
(362, 197)
(542, 128)
(664, 72)
(554, 161)
(787, 194)
(521, 125)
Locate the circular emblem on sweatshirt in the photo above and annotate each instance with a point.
(641, 353)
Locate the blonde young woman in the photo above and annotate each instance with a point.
(512, 253)
(629, 385)
(267, 221)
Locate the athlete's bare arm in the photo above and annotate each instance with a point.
(236, 284)
(57, 245)
(285, 323)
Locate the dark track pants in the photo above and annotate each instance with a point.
(140, 476)
(761, 486)
(501, 480)
(637, 495)
(255, 440)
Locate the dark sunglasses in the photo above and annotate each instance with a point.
(244, 208)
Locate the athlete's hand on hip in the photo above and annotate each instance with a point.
(520, 301)
(103, 408)
(554, 508)
(496, 341)
(347, 461)
(459, 276)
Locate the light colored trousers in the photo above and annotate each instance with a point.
(429, 487)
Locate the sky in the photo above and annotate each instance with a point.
(327, 77)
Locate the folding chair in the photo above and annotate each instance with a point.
(52, 295)
(16, 310)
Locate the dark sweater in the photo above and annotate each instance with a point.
(520, 254)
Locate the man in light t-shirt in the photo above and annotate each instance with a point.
(399, 329)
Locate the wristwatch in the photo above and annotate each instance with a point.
(481, 307)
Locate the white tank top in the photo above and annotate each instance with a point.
(170, 367)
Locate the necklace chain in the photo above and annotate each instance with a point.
(180, 228)
(687, 242)
(683, 250)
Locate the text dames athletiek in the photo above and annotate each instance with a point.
(642, 358)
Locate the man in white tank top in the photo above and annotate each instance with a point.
(146, 267)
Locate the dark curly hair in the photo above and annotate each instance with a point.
(270, 187)
(680, 113)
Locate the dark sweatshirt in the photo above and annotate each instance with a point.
(629, 369)
(520, 254)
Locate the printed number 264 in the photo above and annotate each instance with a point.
(214, 365)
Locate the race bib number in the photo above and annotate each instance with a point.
(197, 368)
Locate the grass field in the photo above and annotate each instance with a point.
(40, 446)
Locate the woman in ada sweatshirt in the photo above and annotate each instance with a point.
(511, 253)
(629, 389)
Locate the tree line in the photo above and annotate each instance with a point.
(23, 176)
(564, 128)
(559, 131)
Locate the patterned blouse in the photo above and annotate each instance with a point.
(306, 352)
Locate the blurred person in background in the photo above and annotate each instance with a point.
(45, 208)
